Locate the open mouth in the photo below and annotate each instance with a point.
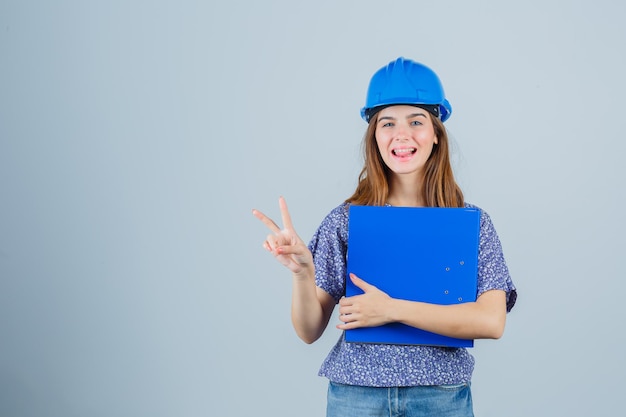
(404, 151)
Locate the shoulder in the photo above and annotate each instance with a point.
(473, 206)
(488, 232)
(484, 216)
(338, 216)
(333, 226)
(489, 239)
(330, 241)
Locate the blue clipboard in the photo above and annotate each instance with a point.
(413, 253)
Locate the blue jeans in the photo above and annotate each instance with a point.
(421, 401)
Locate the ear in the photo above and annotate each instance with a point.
(436, 140)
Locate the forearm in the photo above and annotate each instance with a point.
(308, 313)
(311, 307)
(483, 319)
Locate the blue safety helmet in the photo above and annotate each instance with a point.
(406, 82)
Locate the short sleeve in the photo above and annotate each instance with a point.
(493, 273)
(329, 246)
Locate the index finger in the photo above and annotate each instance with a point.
(285, 213)
(266, 221)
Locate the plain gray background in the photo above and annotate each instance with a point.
(136, 137)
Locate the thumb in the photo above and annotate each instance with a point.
(360, 283)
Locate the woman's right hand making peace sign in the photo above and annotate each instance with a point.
(285, 244)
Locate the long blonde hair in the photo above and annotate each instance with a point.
(439, 188)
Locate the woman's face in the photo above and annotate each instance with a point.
(405, 136)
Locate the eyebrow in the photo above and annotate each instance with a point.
(410, 116)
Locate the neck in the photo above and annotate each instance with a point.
(405, 191)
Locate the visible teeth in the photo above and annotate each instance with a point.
(403, 151)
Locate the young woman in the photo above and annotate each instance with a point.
(406, 164)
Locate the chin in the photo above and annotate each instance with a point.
(406, 170)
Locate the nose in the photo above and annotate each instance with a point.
(401, 133)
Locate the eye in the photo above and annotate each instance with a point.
(388, 124)
(416, 123)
